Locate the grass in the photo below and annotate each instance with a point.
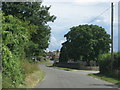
(67, 69)
(33, 79)
(33, 74)
(61, 68)
(29, 67)
(106, 78)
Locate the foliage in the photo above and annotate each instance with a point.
(29, 67)
(105, 64)
(35, 14)
(104, 77)
(11, 69)
(33, 79)
(24, 33)
(14, 38)
(85, 42)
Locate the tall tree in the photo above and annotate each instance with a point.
(35, 14)
(24, 32)
(85, 42)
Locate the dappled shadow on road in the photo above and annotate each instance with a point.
(109, 85)
(50, 66)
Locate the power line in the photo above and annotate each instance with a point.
(99, 15)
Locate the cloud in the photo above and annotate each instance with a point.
(71, 13)
(98, 21)
(62, 41)
(55, 44)
(94, 1)
(54, 41)
(79, 1)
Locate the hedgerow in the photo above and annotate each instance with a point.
(24, 33)
(105, 65)
(14, 38)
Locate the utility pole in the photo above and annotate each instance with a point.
(118, 26)
(112, 53)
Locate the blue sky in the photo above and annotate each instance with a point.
(71, 13)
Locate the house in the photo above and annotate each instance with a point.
(54, 55)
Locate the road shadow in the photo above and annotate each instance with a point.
(108, 85)
(49, 66)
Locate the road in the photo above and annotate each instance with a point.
(70, 79)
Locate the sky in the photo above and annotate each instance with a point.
(71, 13)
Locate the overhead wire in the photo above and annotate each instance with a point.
(99, 15)
(103, 13)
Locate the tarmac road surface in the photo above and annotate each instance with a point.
(56, 78)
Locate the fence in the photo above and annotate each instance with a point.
(79, 65)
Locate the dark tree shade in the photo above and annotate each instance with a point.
(85, 42)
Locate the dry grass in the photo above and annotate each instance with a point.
(29, 67)
(32, 79)
(33, 74)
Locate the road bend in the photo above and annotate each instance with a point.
(56, 78)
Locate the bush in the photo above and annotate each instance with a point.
(12, 72)
(105, 65)
(116, 63)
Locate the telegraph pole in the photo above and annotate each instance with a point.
(112, 52)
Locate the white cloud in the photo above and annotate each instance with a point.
(55, 44)
(94, 1)
(80, 1)
(62, 41)
(75, 12)
(47, 50)
(54, 41)
(101, 21)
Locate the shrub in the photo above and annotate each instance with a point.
(116, 63)
(12, 72)
(105, 65)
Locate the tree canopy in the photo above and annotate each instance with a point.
(35, 14)
(85, 42)
(24, 33)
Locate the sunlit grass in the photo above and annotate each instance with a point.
(33, 79)
(106, 78)
(33, 74)
(29, 67)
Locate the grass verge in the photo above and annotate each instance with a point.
(106, 78)
(61, 68)
(32, 80)
(67, 69)
(33, 74)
